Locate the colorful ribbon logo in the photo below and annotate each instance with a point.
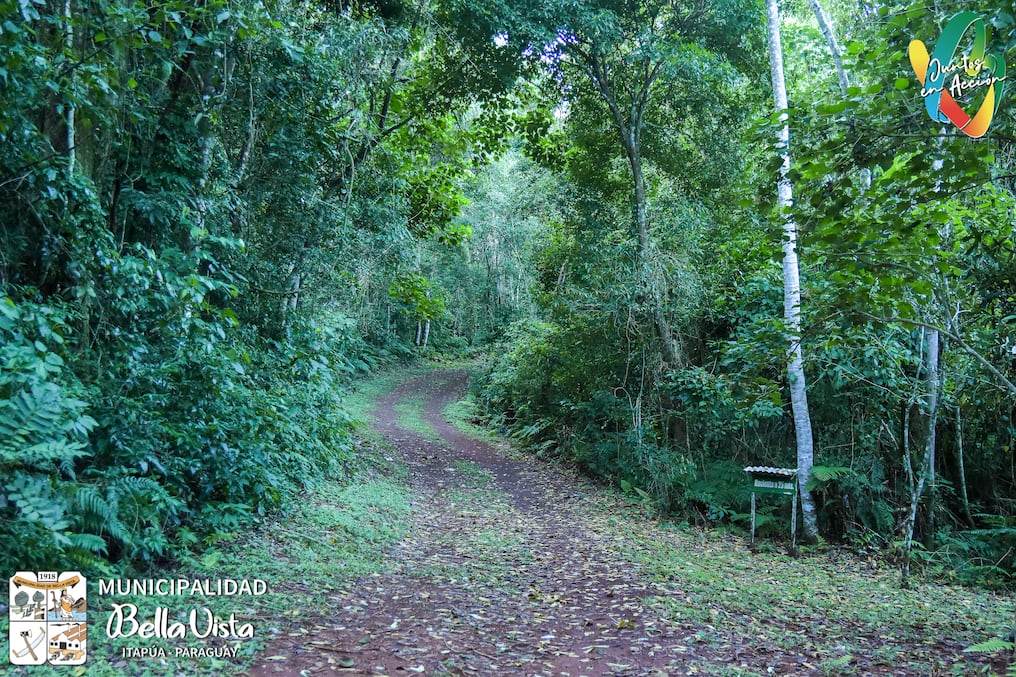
(940, 91)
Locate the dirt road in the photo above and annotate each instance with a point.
(501, 574)
(512, 566)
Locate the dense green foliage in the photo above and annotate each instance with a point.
(216, 214)
(904, 230)
(213, 216)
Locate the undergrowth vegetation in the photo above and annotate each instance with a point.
(682, 449)
(217, 214)
(196, 258)
(165, 445)
(350, 512)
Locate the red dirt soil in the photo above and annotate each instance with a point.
(565, 603)
(504, 572)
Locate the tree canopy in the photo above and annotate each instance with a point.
(216, 215)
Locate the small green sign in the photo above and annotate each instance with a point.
(779, 481)
(768, 486)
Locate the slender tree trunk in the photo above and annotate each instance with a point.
(294, 292)
(69, 119)
(908, 539)
(908, 466)
(629, 127)
(826, 26)
(933, 379)
(671, 353)
(916, 486)
(933, 387)
(246, 150)
(961, 469)
(792, 285)
(926, 473)
(426, 332)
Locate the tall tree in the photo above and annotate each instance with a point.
(626, 53)
(791, 281)
(825, 24)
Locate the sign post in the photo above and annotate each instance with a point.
(780, 481)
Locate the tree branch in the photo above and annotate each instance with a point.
(967, 348)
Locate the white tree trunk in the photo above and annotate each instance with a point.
(294, 291)
(826, 26)
(69, 117)
(934, 380)
(792, 284)
(926, 475)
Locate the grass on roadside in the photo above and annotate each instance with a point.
(336, 533)
(839, 613)
(463, 415)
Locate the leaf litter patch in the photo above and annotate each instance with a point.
(516, 567)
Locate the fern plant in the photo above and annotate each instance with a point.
(993, 645)
(43, 432)
(997, 644)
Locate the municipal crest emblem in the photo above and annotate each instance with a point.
(48, 611)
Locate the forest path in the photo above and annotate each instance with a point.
(501, 573)
(512, 566)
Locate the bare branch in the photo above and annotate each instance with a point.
(967, 348)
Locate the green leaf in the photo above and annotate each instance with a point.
(990, 646)
(821, 474)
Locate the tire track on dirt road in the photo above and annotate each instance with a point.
(501, 573)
